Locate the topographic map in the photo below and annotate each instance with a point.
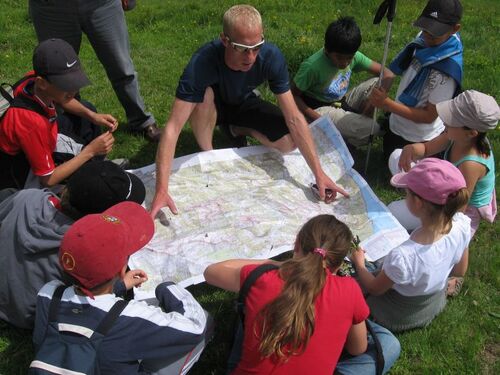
(250, 203)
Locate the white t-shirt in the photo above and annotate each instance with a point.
(418, 269)
(437, 88)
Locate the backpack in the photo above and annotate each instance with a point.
(71, 349)
(8, 100)
(259, 271)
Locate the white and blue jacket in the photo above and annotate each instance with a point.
(141, 332)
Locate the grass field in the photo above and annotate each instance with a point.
(464, 339)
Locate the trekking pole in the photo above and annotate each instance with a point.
(388, 7)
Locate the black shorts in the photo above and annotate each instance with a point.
(253, 113)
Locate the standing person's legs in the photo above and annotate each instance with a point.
(366, 363)
(56, 19)
(104, 24)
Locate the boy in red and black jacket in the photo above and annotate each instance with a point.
(45, 117)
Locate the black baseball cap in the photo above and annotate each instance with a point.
(57, 62)
(98, 185)
(439, 16)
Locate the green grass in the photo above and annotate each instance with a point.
(164, 33)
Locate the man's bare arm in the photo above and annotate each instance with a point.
(181, 110)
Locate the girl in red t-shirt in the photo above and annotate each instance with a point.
(300, 317)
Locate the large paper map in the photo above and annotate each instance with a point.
(250, 203)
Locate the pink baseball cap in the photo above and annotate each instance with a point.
(432, 179)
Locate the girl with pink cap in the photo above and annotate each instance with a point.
(409, 290)
(467, 119)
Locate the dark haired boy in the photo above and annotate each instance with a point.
(431, 72)
(322, 82)
(46, 130)
(32, 225)
(144, 339)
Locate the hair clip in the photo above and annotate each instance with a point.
(320, 251)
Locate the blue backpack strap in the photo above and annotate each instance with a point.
(110, 318)
(247, 284)
(54, 303)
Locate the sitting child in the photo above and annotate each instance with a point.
(34, 133)
(467, 119)
(300, 317)
(431, 71)
(144, 338)
(321, 84)
(409, 290)
(33, 223)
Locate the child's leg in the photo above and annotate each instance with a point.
(357, 98)
(366, 363)
(355, 128)
(184, 363)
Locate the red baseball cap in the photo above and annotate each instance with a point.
(97, 246)
(432, 179)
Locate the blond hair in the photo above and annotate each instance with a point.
(241, 15)
(288, 321)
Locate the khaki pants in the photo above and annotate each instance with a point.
(354, 127)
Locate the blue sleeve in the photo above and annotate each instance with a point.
(200, 73)
(277, 71)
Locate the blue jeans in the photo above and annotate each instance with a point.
(347, 365)
(103, 21)
(366, 363)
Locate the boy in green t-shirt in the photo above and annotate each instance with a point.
(321, 84)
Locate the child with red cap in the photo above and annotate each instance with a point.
(409, 290)
(33, 223)
(144, 338)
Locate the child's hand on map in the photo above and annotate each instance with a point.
(134, 278)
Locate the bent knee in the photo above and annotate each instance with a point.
(285, 144)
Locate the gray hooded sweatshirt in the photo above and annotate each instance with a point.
(31, 230)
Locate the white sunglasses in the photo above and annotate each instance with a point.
(244, 48)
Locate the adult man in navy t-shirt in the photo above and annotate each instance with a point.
(217, 88)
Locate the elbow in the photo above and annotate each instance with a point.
(358, 350)
(375, 291)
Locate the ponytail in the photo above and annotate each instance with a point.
(483, 144)
(288, 321)
(454, 203)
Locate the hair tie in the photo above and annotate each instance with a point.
(320, 251)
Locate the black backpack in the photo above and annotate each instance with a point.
(71, 349)
(259, 271)
(8, 100)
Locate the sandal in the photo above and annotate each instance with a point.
(454, 286)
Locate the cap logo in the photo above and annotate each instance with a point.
(111, 219)
(434, 14)
(70, 65)
(68, 262)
